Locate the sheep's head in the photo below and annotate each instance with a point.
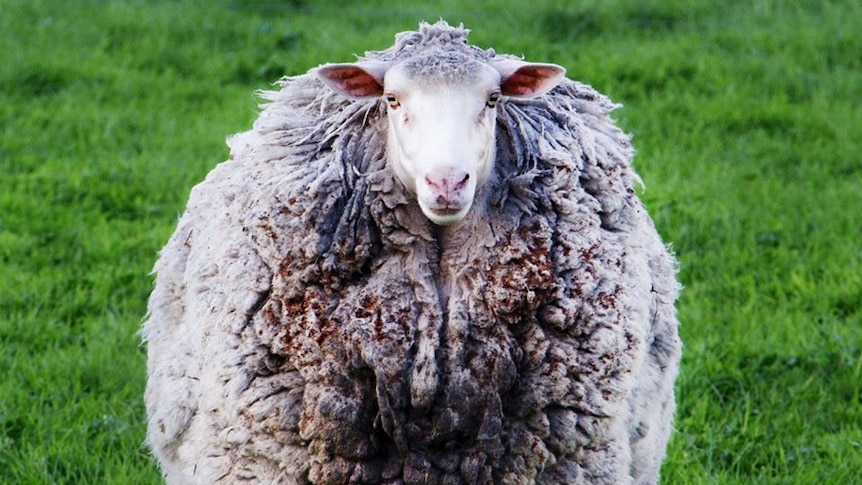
(441, 115)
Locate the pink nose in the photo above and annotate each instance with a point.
(446, 185)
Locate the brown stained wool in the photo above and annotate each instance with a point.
(309, 325)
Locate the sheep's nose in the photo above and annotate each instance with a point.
(446, 185)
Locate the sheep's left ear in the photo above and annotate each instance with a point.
(528, 79)
(362, 80)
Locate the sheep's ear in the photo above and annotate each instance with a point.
(527, 79)
(354, 80)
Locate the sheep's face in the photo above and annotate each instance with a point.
(441, 120)
(441, 138)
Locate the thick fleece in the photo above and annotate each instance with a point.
(310, 326)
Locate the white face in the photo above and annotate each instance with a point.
(441, 139)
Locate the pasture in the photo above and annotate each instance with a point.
(745, 114)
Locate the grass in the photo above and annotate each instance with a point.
(745, 114)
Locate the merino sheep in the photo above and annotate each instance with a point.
(427, 267)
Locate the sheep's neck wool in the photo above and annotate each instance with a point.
(320, 330)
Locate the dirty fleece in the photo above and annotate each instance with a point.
(309, 325)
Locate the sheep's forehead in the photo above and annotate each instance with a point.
(442, 69)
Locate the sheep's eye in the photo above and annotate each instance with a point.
(392, 101)
(492, 100)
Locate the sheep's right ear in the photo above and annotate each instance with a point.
(362, 80)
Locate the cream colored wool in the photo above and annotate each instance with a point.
(309, 326)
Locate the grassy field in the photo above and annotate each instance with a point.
(746, 115)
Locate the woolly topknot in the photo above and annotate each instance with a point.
(437, 36)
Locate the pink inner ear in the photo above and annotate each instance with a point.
(530, 81)
(351, 81)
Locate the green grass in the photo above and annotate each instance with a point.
(747, 120)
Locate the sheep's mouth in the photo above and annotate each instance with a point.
(445, 211)
(445, 215)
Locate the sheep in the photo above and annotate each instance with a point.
(429, 266)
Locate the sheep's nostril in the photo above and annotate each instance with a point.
(460, 185)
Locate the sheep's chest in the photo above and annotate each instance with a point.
(427, 352)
